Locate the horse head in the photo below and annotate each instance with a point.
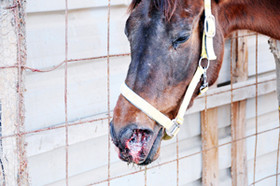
(166, 42)
(165, 39)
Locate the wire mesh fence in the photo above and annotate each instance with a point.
(17, 8)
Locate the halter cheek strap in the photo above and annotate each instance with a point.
(172, 127)
(208, 33)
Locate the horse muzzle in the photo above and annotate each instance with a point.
(137, 145)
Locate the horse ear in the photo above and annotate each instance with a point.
(133, 4)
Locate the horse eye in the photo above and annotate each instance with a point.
(179, 41)
(182, 39)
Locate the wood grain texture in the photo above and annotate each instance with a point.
(275, 50)
(210, 155)
(238, 149)
(238, 126)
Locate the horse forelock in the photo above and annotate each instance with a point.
(168, 7)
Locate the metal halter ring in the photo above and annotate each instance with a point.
(210, 26)
(208, 63)
(174, 129)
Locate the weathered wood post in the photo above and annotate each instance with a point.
(275, 49)
(238, 125)
(12, 58)
(210, 155)
(209, 126)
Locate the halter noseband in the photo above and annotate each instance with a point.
(172, 127)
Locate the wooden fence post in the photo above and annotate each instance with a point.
(13, 54)
(210, 158)
(238, 125)
(275, 49)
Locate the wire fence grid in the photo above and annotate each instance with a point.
(21, 67)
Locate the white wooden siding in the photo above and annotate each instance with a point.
(87, 99)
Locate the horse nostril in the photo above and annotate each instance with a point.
(124, 135)
(132, 134)
(140, 136)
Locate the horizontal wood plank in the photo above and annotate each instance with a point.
(241, 91)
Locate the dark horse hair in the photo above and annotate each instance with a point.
(166, 6)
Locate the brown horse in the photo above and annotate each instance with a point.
(165, 40)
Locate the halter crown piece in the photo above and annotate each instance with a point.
(172, 127)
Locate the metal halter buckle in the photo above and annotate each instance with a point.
(204, 86)
(209, 26)
(208, 63)
(174, 129)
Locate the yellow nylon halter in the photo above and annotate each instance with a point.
(172, 127)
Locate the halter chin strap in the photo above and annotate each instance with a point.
(172, 127)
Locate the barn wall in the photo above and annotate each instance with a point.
(87, 99)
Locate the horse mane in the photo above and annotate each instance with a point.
(168, 7)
